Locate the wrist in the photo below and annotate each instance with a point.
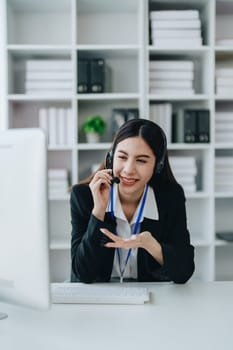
(99, 214)
(153, 247)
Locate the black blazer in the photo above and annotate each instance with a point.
(92, 262)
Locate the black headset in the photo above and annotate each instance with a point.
(159, 163)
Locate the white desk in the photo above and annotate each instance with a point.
(191, 316)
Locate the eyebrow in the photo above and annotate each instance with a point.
(137, 156)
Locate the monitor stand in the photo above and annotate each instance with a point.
(3, 316)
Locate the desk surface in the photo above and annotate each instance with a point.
(191, 316)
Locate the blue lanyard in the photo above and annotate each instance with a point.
(135, 230)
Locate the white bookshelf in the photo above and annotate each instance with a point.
(118, 31)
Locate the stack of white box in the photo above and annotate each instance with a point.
(58, 183)
(171, 77)
(224, 174)
(48, 77)
(175, 29)
(224, 80)
(224, 127)
(185, 171)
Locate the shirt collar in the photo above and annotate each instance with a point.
(150, 210)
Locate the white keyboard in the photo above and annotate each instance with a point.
(80, 293)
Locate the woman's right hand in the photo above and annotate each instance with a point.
(100, 189)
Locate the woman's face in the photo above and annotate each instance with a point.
(133, 163)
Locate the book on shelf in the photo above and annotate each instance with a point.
(58, 182)
(224, 81)
(223, 188)
(171, 75)
(132, 113)
(53, 85)
(61, 125)
(48, 77)
(185, 164)
(224, 90)
(52, 135)
(203, 125)
(44, 75)
(185, 180)
(121, 115)
(69, 127)
(175, 29)
(185, 171)
(174, 14)
(91, 75)
(83, 75)
(57, 124)
(173, 24)
(184, 43)
(48, 65)
(176, 33)
(50, 92)
(57, 173)
(224, 127)
(219, 138)
(224, 72)
(176, 91)
(224, 179)
(224, 116)
(190, 126)
(161, 114)
(176, 65)
(97, 67)
(172, 83)
(224, 41)
(225, 162)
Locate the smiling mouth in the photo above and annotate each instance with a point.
(128, 181)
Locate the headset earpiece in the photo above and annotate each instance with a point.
(109, 160)
(160, 163)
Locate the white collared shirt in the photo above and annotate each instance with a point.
(125, 230)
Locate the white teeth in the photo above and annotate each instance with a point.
(129, 181)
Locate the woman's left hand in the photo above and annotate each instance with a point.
(135, 241)
(143, 240)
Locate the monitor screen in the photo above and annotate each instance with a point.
(24, 246)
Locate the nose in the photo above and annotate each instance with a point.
(129, 167)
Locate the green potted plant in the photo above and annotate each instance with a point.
(93, 127)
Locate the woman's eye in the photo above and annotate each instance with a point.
(142, 161)
(121, 157)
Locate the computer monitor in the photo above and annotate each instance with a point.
(24, 243)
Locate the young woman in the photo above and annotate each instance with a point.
(131, 226)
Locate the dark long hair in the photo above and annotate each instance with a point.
(155, 138)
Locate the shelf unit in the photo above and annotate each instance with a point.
(118, 31)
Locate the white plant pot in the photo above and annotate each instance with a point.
(93, 137)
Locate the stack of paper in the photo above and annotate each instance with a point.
(224, 174)
(224, 127)
(161, 114)
(175, 29)
(224, 81)
(185, 171)
(48, 77)
(224, 42)
(57, 183)
(57, 124)
(171, 77)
